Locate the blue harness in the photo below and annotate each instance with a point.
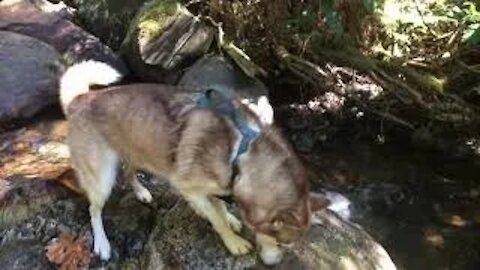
(216, 100)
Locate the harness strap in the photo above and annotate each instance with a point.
(216, 100)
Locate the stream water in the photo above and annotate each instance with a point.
(424, 208)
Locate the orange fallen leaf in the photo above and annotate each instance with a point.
(69, 252)
(68, 180)
(457, 221)
(434, 237)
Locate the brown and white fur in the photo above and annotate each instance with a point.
(157, 128)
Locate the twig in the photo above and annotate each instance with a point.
(386, 85)
(423, 20)
(467, 67)
(192, 2)
(418, 64)
(393, 118)
(220, 33)
(239, 56)
(417, 97)
(243, 60)
(298, 64)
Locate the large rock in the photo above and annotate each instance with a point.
(29, 72)
(163, 38)
(50, 23)
(169, 235)
(107, 19)
(23, 255)
(221, 72)
(48, 210)
(181, 240)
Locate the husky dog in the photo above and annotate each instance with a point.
(204, 152)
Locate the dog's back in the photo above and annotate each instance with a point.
(154, 127)
(134, 120)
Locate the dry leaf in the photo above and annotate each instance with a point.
(457, 221)
(69, 252)
(434, 237)
(68, 180)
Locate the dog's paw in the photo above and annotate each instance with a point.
(271, 255)
(143, 195)
(101, 247)
(237, 245)
(234, 223)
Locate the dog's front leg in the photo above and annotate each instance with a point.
(232, 220)
(270, 252)
(205, 208)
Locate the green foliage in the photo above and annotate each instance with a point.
(371, 5)
(305, 23)
(471, 35)
(332, 17)
(428, 30)
(471, 19)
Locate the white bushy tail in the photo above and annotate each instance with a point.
(79, 77)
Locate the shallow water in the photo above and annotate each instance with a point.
(422, 207)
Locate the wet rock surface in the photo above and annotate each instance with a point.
(164, 235)
(54, 210)
(183, 240)
(24, 254)
(332, 243)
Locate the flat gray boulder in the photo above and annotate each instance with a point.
(29, 72)
(182, 240)
(51, 24)
(221, 72)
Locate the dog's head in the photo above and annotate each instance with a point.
(271, 187)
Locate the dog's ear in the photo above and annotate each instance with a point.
(262, 109)
(318, 201)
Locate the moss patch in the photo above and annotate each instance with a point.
(150, 20)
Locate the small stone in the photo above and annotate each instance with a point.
(54, 150)
(434, 237)
(303, 142)
(474, 193)
(456, 220)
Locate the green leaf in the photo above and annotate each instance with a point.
(332, 17)
(471, 35)
(370, 5)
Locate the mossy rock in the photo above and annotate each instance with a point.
(107, 19)
(163, 38)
